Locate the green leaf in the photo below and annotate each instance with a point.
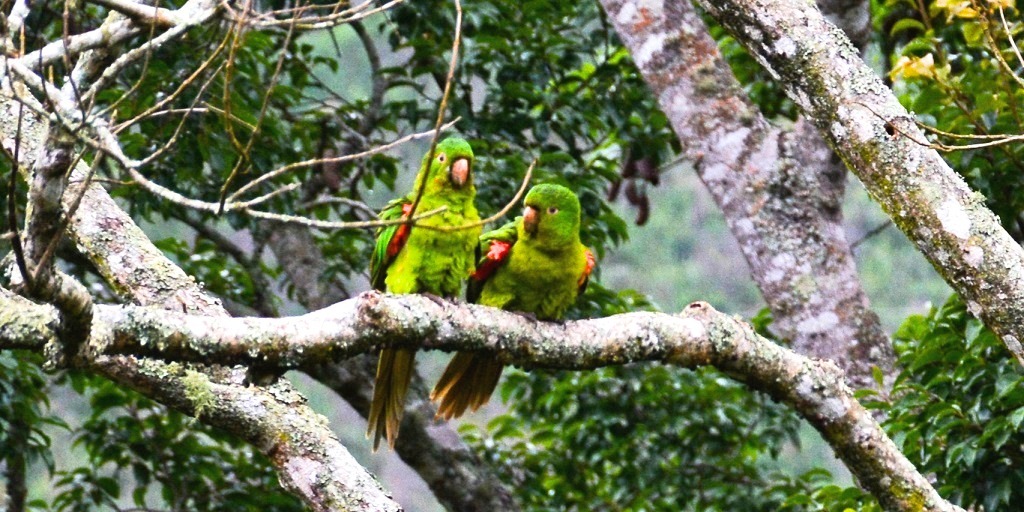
(1017, 417)
(906, 24)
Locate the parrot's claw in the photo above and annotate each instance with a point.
(529, 316)
(436, 299)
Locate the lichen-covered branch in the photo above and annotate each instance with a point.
(698, 336)
(45, 227)
(459, 479)
(780, 189)
(865, 124)
(309, 459)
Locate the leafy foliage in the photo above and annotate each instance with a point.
(534, 80)
(169, 460)
(958, 407)
(641, 438)
(645, 437)
(24, 415)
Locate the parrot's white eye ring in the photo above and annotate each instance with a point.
(440, 158)
(552, 210)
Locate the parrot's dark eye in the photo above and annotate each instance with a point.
(552, 210)
(440, 158)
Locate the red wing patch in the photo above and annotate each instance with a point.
(496, 253)
(591, 263)
(401, 234)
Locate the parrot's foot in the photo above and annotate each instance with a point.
(436, 299)
(529, 316)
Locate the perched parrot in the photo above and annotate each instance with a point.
(422, 260)
(535, 265)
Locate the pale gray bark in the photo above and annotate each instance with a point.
(780, 189)
(880, 143)
(460, 480)
(698, 336)
(853, 17)
(309, 459)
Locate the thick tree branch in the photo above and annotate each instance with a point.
(698, 336)
(306, 459)
(44, 229)
(310, 461)
(141, 13)
(459, 479)
(779, 189)
(879, 141)
(117, 29)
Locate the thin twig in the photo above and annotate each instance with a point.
(244, 157)
(444, 102)
(511, 204)
(1004, 139)
(969, 136)
(318, 161)
(990, 38)
(196, 204)
(315, 22)
(352, 203)
(331, 225)
(12, 210)
(228, 91)
(140, 12)
(1009, 35)
(874, 231)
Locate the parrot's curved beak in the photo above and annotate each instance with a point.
(459, 172)
(530, 220)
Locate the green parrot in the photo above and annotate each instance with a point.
(422, 260)
(535, 265)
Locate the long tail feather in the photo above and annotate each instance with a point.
(467, 383)
(394, 371)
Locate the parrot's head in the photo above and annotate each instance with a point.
(551, 216)
(452, 166)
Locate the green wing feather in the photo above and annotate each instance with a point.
(380, 260)
(508, 233)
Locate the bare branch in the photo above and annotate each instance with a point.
(311, 462)
(351, 203)
(117, 30)
(302, 20)
(16, 19)
(452, 64)
(141, 13)
(44, 227)
(501, 213)
(698, 336)
(333, 160)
